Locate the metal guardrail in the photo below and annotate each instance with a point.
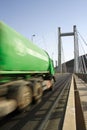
(82, 76)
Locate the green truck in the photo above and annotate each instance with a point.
(25, 71)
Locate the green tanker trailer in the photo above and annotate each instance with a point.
(25, 71)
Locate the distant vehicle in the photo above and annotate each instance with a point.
(25, 71)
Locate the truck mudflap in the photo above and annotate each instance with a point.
(48, 84)
(7, 106)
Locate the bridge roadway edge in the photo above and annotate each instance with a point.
(69, 120)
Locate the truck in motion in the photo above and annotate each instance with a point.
(25, 71)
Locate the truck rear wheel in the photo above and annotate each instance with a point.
(24, 96)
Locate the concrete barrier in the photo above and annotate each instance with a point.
(69, 120)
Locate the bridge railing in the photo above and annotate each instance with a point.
(82, 76)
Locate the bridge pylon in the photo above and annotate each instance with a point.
(76, 48)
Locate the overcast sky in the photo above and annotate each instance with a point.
(43, 17)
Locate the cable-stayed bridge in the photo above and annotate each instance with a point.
(79, 63)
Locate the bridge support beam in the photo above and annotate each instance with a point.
(59, 50)
(76, 51)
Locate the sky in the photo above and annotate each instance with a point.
(42, 18)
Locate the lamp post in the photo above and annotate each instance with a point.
(32, 37)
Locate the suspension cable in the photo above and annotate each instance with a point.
(82, 38)
(83, 64)
(65, 68)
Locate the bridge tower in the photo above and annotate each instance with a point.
(76, 48)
